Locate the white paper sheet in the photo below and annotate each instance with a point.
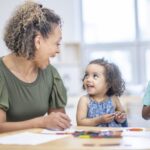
(28, 138)
(135, 142)
(67, 131)
(136, 134)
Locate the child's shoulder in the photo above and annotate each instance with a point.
(84, 98)
(114, 98)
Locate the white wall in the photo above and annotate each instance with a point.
(67, 9)
(6, 9)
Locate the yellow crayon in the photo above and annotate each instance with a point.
(85, 136)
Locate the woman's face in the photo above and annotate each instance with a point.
(46, 48)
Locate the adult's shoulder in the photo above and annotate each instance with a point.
(53, 71)
(1, 58)
(147, 91)
(1, 68)
(51, 68)
(0, 62)
(2, 74)
(148, 86)
(146, 98)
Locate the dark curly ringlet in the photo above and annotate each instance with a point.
(116, 84)
(27, 21)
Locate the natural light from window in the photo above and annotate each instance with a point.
(120, 58)
(103, 23)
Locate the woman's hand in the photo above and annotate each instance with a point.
(56, 121)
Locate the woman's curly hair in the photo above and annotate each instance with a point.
(29, 19)
(116, 84)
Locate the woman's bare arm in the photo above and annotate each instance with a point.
(55, 120)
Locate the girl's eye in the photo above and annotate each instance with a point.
(95, 76)
(85, 76)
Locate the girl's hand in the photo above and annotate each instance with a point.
(107, 118)
(120, 116)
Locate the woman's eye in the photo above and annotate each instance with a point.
(58, 44)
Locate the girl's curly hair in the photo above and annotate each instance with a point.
(29, 19)
(116, 84)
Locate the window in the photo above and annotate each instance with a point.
(108, 21)
(119, 31)
(121, 58)
(144, 19)
(147, 64)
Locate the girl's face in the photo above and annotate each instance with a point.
(47, 48)
(94, 80)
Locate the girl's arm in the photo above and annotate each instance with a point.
(81, 116)
(120, 112)
(117, 104)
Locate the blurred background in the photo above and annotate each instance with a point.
(118, 30)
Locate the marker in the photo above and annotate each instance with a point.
(85, 136)
(135, 129)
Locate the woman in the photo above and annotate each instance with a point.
(29, 85)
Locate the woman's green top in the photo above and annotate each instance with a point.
(23, 101)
